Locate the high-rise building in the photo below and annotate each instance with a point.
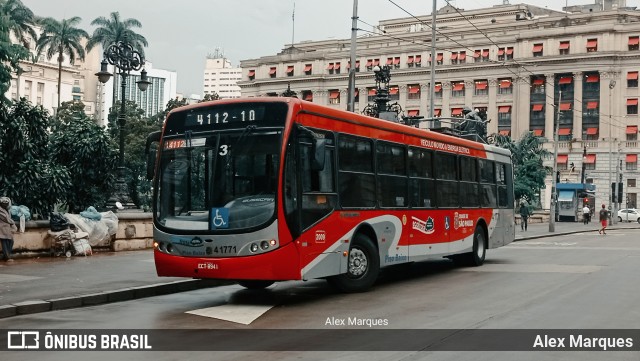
(526, 66)
(163, 88)
(221, 77)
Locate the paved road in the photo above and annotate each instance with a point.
(576, 281)
(46, 278)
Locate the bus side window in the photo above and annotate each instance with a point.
(421, 184)
(447, 180)
(487, 183)
(357, 180)
(501, 173)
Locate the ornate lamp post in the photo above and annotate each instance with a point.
(381, 107)
(125, 59)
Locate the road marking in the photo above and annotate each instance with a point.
(532, 268)
(244, 314)
(7, 278)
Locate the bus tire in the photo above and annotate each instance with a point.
(363, 266)
(255, 285)
(476, 257)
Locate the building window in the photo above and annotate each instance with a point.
(631, 182)
(485, 55)
(482, 87)
(330, 68)
(564, 47)
(336, 68)
(457, 89)
(437, 90)
(394, 93)
(371, 94)
(592, 45)
(505, 86)
(561, 161)
(307, 95)
(501, 54)
(334, 97)
(290, 70)
(439, 58)
(504, 115)
(537, 50)
(457, 113)
(307, 69)
(634, 42)
(632, 132)
(537, 86)
(632, 162)
(590, 162)
(454, 58)
(418, 61)
(462, 57)
(632, 106)
(357, 66)
(510, 53)
(632, 79)
(591, 133)
(414, 92)
(272, 72)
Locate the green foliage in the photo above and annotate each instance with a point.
(29, 175)
(61, 38)
(10, 54)
(529, 172)
(89, 155)
(137, 128)
(19, 19)
(110, 31)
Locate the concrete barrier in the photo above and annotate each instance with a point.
(135, 231)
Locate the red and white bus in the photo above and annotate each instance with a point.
(259, 190)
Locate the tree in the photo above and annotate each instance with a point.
(88, 152)
(29, 174)
(10, 56)
(112, 30)
(529, 172)
(62, 38)
(19, 20)
(138, 128)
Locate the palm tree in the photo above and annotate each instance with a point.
(114, 29)
(62, 38)
(19, 19)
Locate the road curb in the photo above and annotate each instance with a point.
(99, 298)
(554, 234)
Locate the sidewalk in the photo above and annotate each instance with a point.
(43, 284)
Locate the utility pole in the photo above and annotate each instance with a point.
(351, 96)
(432, 85)
(612, 84)
(554, 196)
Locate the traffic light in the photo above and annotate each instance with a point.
(613, 193)
(557, 176)
(620, 192)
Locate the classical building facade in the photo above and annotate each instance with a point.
(527, 67)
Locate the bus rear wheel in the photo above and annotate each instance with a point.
(363, 266)
(255, 285)
(476, 257)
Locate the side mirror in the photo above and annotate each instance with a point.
(151, 153)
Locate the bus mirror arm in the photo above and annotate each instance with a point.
(151, 153)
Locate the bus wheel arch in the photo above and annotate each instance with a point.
(363, 263)
(478, 252)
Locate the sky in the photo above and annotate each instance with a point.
(182, 33)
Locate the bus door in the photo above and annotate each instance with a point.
(429, 229)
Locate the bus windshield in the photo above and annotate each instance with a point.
(218, 181)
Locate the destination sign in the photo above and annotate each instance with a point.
(239, 114)
(216, 116)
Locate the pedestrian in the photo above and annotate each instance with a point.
(585, 213)
(524, 214)
(7, 227)
(604, 216)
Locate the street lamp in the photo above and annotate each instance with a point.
(125, 59)
(612, 84)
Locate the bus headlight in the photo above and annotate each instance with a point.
(254, 247)
(264, 245)
(169, 248)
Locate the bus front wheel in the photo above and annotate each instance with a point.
(255, 285)
(363, 266)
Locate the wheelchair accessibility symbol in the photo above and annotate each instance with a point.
(219, 218)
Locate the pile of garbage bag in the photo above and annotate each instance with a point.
(99, 226)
